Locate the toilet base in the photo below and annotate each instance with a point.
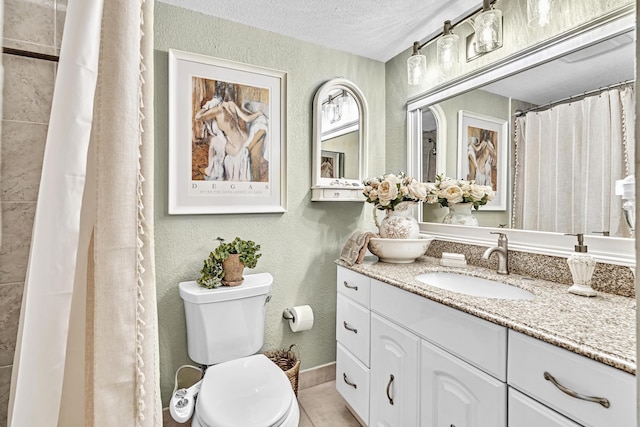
(292, 420)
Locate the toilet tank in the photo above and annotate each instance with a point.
(225, 323)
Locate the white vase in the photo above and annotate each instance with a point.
(460, 214)
(399, 223)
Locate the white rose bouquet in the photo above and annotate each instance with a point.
(387, 191)
(449, 191)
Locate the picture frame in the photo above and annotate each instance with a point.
(227, 136)
(482, 154)
(331, 164)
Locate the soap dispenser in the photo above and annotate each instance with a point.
(581, 265)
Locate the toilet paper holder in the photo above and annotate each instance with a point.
(287, 314)
(300, 318)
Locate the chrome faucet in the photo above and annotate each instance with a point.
(502, 250)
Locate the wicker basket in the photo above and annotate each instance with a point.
(289, 362)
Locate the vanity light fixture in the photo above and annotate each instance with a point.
(416, 66)
(488, 28)
(487, 36)
(447, 47)
(539, 13)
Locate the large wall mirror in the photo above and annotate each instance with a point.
(339, 142)
(569, 106)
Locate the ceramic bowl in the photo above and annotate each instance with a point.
(399, 251)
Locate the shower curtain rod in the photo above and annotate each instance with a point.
(579, 97)
(29, 54)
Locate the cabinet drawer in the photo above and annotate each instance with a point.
(477, 341)
(454, 393)
(354, 285)
(530, 359)
(526, 412)
(352, 382)
(352, 328)
(331, 193)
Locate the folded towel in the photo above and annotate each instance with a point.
(355, 248)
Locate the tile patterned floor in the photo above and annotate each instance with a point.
(320, 406)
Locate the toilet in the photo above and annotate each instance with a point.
(225, 328)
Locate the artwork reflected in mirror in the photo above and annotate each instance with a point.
(332, 164)
(482, 149)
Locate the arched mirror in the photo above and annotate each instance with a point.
(549, 175)
(339, 142)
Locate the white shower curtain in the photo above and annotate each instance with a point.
(87, 349)
(567, 161)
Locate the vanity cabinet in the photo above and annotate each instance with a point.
(353, 341)
(434, 366)
(462, 361)
(394, 374)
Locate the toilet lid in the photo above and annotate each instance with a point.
(248, 392)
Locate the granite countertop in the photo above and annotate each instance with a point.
(601, 327)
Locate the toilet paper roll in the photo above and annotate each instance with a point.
(302, 318)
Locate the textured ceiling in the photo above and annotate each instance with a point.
(376, 29)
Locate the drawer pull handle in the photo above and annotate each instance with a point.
(601, 400)
(347, 285)
(349, 328)
(346, 380)
(389, 388)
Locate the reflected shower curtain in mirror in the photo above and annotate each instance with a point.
(567, 161)
(87, 347)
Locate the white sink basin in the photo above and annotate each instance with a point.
(474, 286)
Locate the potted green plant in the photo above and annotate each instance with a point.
(226, 262)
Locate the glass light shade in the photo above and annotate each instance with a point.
(538, 13)
(416, 69)
(340, 107)
(329, 110)
(488, 30)
(448, 51)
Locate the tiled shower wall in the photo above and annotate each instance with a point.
(35, 26)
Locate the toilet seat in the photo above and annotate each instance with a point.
(250, 392)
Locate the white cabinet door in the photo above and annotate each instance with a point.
(526, 412)
(456, 394)
(394, 375)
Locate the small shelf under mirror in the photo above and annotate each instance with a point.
(339, 142)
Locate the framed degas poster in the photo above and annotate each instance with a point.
(482, 155)
(227, 144)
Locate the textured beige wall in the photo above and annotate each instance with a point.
(517, 36)
(299, 246)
